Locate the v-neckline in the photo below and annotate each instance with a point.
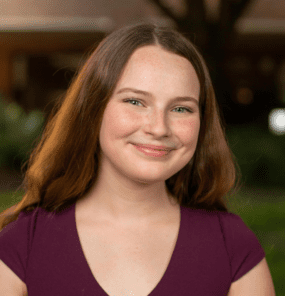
(164, 279)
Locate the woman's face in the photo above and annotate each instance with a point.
(153, 118)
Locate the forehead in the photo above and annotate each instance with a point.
(156, 56)
(153, 66)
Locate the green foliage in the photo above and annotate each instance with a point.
(18, 132)
(260, 155)
(10, 198)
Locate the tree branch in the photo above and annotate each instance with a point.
(238, 9)
(195, 18)
(165, 9)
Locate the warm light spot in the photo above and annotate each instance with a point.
(244, 96)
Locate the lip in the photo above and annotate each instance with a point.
(159, 148)
(152, 152)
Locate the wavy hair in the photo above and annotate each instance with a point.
(63, 165)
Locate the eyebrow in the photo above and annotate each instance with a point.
(142, 92)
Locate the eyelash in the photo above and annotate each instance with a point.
(187, 109)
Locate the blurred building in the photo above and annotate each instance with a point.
(42, 43)
(256, 60)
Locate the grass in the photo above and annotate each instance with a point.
(263, 210)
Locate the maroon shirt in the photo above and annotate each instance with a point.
(213, 250)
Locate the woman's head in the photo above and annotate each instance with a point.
(65, 163)
(149, 107)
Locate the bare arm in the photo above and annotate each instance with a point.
(257, 282)
(10, 283)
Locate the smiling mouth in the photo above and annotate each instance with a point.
(148, 148)
(152, 152)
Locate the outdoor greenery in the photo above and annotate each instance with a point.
(260, 154)
(262, 210)
(18, 132)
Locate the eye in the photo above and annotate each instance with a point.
(187, 109)
(134, 100)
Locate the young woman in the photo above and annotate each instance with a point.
(125, 191)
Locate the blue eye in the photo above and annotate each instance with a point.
(133, 100)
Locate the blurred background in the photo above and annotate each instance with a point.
(42, 43)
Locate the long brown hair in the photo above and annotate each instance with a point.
(63, 166)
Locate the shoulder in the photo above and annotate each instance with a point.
(227, 231)
(14, 246)
(250, 271)
(211, 216)
(17, 237)
(227, 225)
(237, 234)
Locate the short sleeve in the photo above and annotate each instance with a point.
(243, 246)
(14, 240)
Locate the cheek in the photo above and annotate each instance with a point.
(187, 129)
(120, 123)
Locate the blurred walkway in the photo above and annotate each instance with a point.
(10, 179)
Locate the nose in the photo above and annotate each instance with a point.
(157, 124)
